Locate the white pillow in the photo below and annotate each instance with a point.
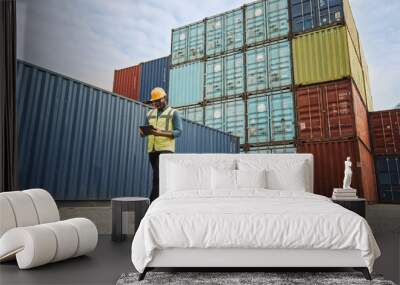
(223, 179)
(281, 174)
(183, 178)
(251, 178)
(292, 179)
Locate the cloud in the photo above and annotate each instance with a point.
(88, 39)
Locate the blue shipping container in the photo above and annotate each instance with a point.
(155, 73)
(194, 114)
(188, 43)
(80, 142)
(388, 178)
(270, 117)
(311, 14)
(186, 84)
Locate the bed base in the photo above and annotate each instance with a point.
(238, 259)
(363, 270)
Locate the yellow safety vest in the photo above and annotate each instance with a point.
(163, 122)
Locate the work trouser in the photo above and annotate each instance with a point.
(154, 161)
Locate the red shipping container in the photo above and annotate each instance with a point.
(329, 157)
(127, 82)
(385, 131)
(329, 111)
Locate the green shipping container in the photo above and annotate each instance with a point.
(194, 114)
(188, 43)
(224, 76)
(224, 33)
(227, 116)
(266, 20)
(268, 67)
(326, 55)
(186, 84)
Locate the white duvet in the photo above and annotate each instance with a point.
(250, 219)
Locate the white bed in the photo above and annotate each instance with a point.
(248, 227)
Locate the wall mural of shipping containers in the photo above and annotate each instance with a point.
(266, 20)
(268, 67)
(270, 118)
(155, 73)
(80, 142)
(388, 178)
(186, 84)
(188, 43)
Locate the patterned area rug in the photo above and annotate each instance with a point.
(242, 278)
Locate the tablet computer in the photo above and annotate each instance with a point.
(146, 130)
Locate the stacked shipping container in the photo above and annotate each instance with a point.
(385, 135)
(332, 101)
(136, 82)
(233, 72)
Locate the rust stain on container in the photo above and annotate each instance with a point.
(329, 157)
(127, 82)
(331, 111)
(385, 131)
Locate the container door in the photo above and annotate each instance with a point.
(255, 23)
(214, 116)
(303, 15)
(196, 41)
(234, 119)
(277, 19)
(330, 12)
(214, 78)
(279, 65)
(310, 113)
(338, 109)
(234, 74)
(258, 122)
(282, 117)
(388, 178)
(257, 69)
(215, 36)
(233, 30)
(179, 45)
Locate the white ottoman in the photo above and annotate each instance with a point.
(32, 233)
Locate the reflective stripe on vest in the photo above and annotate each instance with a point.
(163, 122)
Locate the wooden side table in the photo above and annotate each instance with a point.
(138, 205)
(357, 205)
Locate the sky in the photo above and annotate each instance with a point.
(89, 39)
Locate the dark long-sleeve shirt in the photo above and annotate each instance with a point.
(176, 122)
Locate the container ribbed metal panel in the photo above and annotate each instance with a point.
(326, 55)
(194, 114)
(81, 143)
(388, 178)
(155, 73)
(188, 43)
(186, 84)
(289, 148)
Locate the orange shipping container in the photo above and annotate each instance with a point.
(127, 82)
(385, 132)
(329, 157)
(331, 111)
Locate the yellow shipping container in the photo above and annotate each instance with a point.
(367, 84)
(351, 26)
(326, 55)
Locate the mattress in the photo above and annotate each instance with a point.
(250, 219)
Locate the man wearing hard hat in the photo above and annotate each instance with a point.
(166, 126)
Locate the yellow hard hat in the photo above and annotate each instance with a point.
(157, 93)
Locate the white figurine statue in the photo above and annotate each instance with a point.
(347, 174)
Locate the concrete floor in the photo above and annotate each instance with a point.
(110, 260)
(103, 266)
